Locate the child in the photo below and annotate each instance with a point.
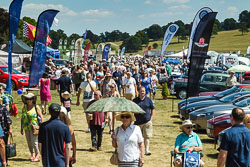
(66, 101)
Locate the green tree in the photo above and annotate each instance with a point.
(143, 36)
(92, 37)
(115, 35)
(4, 26)
(56, 36)
(215, 29)
(155, 32)
(230, 24)
(125, 35)
(182, 32)
(243, 28)
(132, 44)
(244, 16)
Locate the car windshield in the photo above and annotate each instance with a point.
(229, 98)
(228, 91)
(5, 69)
(243, 103)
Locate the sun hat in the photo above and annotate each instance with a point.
(186, 122)
(118, 117)
(28, 96)
(65, 93)
(108, 75)
(129, 73)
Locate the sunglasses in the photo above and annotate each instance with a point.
(125, 116)
(112, 87)
(189, 127)
(29, 99)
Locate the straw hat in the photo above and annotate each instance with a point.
(29, 96)
(65, 94)
(108, 75)
(118, 117)
(185, 122)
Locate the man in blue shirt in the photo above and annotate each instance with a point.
(235, 143)
(145, 120)
(117, 76)
(53, 135)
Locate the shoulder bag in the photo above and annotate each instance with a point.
(114, 157)
(35, 128)
(11, 148)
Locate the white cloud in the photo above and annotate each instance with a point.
(96, 13)
(147, 2)
(141, 16)
(232, 11)
(180, 7)
(175, 1)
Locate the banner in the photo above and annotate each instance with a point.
(38, 60)
(191, 159)
(105, 53)
(84, 36)
(29, 31)
(199, 53)
(78, 51)
(86, 52)
(14, 17)
(123, 51)
(199, 15)
(169, 34)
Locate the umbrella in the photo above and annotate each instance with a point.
(115, 104)
(239, 68)
(171, 61)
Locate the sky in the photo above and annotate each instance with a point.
(130, 16)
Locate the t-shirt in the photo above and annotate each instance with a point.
(88, 94)
(236, 141)
(64, 82)
(52, 135)
(147, 105)
(131, 82)
(119, 75)
(154, 80)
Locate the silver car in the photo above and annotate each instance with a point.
(199, 117)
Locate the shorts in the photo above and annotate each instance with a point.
(130, 96)
(147, 129)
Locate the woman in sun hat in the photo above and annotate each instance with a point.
(129, 141)
(31, 114)
(187, 141)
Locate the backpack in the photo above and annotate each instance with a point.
(12, 107)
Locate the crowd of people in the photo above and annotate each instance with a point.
(131, 78)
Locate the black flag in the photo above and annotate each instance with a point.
(199, 53)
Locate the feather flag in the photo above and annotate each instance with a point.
(84, 36)
(29, 31)
(86, 52)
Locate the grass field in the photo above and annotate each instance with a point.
(165, 125)
(224, 41)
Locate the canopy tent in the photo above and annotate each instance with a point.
(178, 55)
(17, 59)
(19, 47)
(53, 53)
(171, 61)
(138, 55)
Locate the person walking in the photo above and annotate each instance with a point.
(146, 82)
(231, 81)
(235, 143)
(117, 76)
(96, 120)
(129, 141)
(31, 114)
(45, 95)
(144, 121)
(53, 135)
(130, 87)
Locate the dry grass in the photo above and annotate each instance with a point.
(165, 125)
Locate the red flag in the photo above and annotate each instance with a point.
(86, 52)
(149, 47)
(29, 31)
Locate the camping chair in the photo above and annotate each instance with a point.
(173, 155)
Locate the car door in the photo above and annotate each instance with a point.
(206, 83)
(219, 83)
(2, 77)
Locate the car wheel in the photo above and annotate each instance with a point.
(13, 85)
(182, 93)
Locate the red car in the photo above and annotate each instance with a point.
(218, 124)
(18, 80)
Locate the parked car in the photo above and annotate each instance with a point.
(185, 110)
(199, 117)
(60, 62)
(208, 82)
(236, 88)
(218, 124)
(18, 80)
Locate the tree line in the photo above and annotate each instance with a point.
(132, 43)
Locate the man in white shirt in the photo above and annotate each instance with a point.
(88, 87)
(129, 84)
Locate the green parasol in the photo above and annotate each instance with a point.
(114, 104)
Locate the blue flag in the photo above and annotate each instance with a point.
(84, 36)
(123, 51)
(105, 53)
(38, 60)
(14, 17)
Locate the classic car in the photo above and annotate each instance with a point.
(218, 124)
(208, 82)
(236, 88)
(199, 117)
(185, 110)
(18, 80)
